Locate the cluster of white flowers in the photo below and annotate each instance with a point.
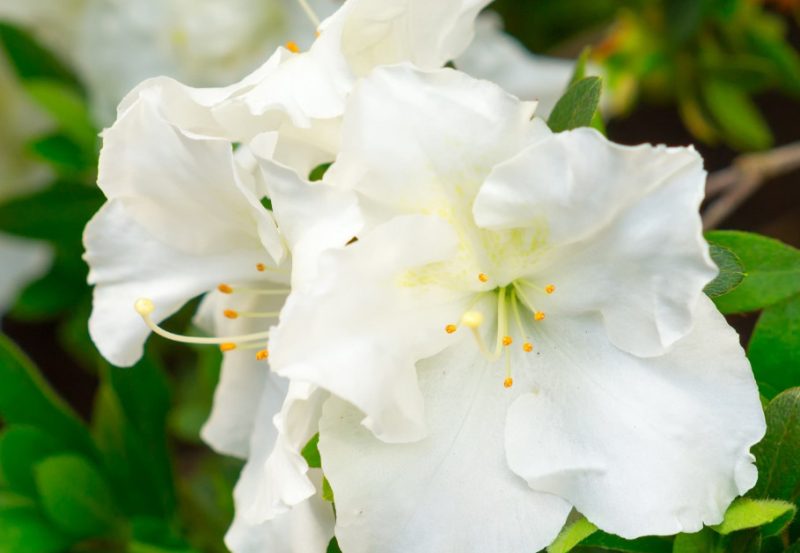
(487, 324)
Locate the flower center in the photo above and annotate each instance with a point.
(514, 304)
(145, 308)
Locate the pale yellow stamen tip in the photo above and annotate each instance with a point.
(507, 340)
(483, 277)
(538, 316)
(550, 288)
(293, 47)
(260, 267)
(317, 34)
(508, 382)
(450, 329)
(527, 347)
(472, 319)
(262, 355)
(225, 289)
(144, 306)
(227, 346)
(231, 314)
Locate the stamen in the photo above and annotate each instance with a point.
(473, 320)
(262, 355)
(260, 267)
(231, 314)
(508, 382)
(527, 347)
(483, 277)
(538, 315)
(225, 289)
(507, 341)
(227, 346)
(230, 289)
(145, 308)
(312, 16)
(292, 47)
(550, 288)
(450, 328)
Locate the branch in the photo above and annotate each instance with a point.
(734, 185)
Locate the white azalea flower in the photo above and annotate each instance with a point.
(520, 330)
(21, 260)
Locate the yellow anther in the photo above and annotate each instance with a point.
(527, 347)
(293, 47)
(508, 382)
(260, 267)
(550, 288)
(144, 306)
(317, 34)
(483, 277)
(450, 328)
(507, 340)
(472, 319)
(225, 289)
(227, 346)
(262, 355)
(538, 315)
(231, 313)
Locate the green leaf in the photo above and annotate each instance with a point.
(703, 541)
(333, 547)
(30, 59)
(76, 497)
(731, 272)
(25, 530)
(744, 542)
(778, 454)
(69, 110)
(649, 544)
(683, 18)
(311, 452)
(578, 105)
(327, 490)
(745, 513)
(772, 271)
(62, 154)
(774, 349)
(62, 288)
(572, 535)
(737, 116)
(318, 172)
(579, 73)
(21, 448)
(25, 398)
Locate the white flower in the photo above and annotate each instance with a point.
(521, 329)
(21, 260)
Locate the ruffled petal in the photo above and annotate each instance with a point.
(452, 491)
(620, 230)
(650, 446)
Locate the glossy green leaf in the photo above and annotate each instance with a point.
(22, 448)
(26, 398)
(577, 107)
(572, 534)
(737, 116)
(731, 271)
(30, 59)
(76, 497)
(744, 513)
(704, 541)
(778, 454)
(26, 530)
(772, 271)
(774, 349)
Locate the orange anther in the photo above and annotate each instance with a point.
(231, 314)
(550, 288)
(450, 329)
(508, 382)
(225, 289)
(263, 354)
(527, 347)
(227, 346)
(483, 277)
(260, 267)
(538, 316)
(293, 47)
(507, 341)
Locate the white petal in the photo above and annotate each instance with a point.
(452, 491)
(22, 261)
(498, 57)
(357, 332)
(170, 180)
(244, 381)
(127, 263)
(421, 142)
(308, 528)
(640, 446)
(621, 226)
